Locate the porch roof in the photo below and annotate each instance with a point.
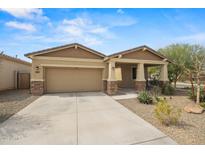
(144, 47)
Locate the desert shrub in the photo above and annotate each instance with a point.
(202, 104)
(167, 89)
(145, 97)
(155, 92)
(193, 96)
(166, 113)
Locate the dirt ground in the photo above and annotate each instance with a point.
(191, 128)
(13, 101)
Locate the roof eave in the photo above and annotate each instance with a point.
(29, 55)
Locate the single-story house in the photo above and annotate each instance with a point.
(9, 69)
(74, 67)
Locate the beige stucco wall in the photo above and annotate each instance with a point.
(73, 53)
(105, 71)
(74, 57)
(142, 55)
(7, 73)
(42, 63)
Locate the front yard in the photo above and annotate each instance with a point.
(191, 128)
(13, 101)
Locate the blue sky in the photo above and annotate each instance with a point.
(105, 30)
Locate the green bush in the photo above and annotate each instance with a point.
(167, 114)
(144, 97)
(167, 89)
(193, 96)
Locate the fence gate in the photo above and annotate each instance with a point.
(23, 80)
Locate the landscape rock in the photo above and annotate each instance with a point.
(193, 108)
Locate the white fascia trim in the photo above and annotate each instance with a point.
(37, 79)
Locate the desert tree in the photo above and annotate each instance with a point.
(198, 66)
(179, 54)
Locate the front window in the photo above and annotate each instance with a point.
(134, 73)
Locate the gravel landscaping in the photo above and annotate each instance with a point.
(191, 128)
(13, 101)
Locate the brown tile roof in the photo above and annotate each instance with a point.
(4, 56)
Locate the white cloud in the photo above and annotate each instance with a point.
(120, 11)
(79, 21)
(126, 21)
(83, 29)
(21, 26)
(199, 37)
(92, 41)
(98, 30)
(25, 13)
(73, 31)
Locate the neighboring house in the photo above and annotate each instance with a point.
(74, 67)
(9, 67)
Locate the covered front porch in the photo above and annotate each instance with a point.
(132, 74)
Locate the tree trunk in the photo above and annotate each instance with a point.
(175, 83)
(198, 89)
(192, 84)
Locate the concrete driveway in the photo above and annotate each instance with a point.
(78, 118)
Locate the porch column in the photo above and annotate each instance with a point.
(111, 71)
(37, 80)
(111, 81)
(163, 74)
(146, 73)
(140, 82)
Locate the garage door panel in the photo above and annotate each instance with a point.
(73, 79)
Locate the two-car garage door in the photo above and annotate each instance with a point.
(73, 79)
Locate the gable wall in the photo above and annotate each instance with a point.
(72, 53)
(142, 55)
